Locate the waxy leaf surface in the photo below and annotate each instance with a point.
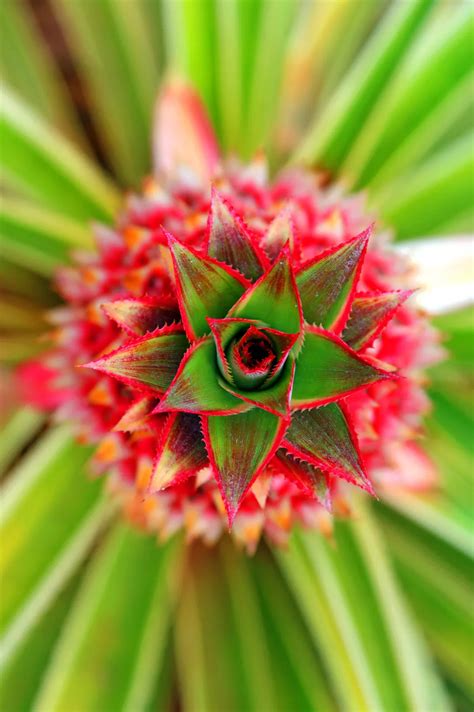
(273, 299)
(327, 369)
(239, 446)
(327, 284)
(139, 316)
(205, 288)
(323, 436)
(196, 389)
(369, 315)
(149, 363)
(181, 452)
(230, 241)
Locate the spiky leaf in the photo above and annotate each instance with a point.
(307, 476)
(181, 452)
(327, 284)
(196, 389)
(239, 446)
(324, 437)
(327, 369)
(369, 314)
(206, 288)
(138, 316)
(273, 298)
(148, 363)
(230, 242)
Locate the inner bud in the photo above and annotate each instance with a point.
(251, 357)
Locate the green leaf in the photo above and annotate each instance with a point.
(337, 126)
(206, 288)
(196, 388)
(230, 242)
(274, 398)
(28, 69)
(438, 191)
(368, 316)
(149, 363)
(115, 632)
(139, 316)
(36, 491)
(121, 79)
(327, 284)
(441, 64)
(239, 447)
(17, 432)
(327, 369)
(39, 239)
(324, 437)
(45, 166)
(373, 652)
(273, 299)
(181, 451)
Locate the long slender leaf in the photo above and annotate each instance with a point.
(38, 238)
(39, 491)
(116, 631)
(49, 169)
(357, 607)
(26, 66)
(22, 426)
(416, 93)
(439, 190)
(336, 128)
(112, 44)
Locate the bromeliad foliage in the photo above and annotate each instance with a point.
(240, 338)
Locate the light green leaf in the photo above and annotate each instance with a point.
(112, 45)
(37, 238)
(116, 630)
(336, 128)
(17, 432)
(45, 166)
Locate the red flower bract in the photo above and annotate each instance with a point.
(249, 351)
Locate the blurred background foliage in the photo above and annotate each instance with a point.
(95, 616)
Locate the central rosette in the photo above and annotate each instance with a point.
(251, 357)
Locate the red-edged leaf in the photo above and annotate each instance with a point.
(327, 284)
(181, 452)
(239, 447)
(139, 316)
(229, 240)
(311, 479)
(273, 299)
(148, 363)
(182, 134)
(370, 313)
(275, 398)
(136, 416)
(280, 233)
(325, 438)
(196, 388)
(327, 369)
(205, 287)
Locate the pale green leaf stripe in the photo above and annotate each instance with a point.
(113, 47)
(299, 678)
(440, 189)
(228, 73)
(425, 81)
(338, 125)
(330, 629)
(373, 632)
(44, 165)
(116, 630)
(17, 432)
(37, 238)
(27, 67)
(271, 43)
(249, 628)
(54, 579)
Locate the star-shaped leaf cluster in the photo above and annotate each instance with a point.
(254, 357)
